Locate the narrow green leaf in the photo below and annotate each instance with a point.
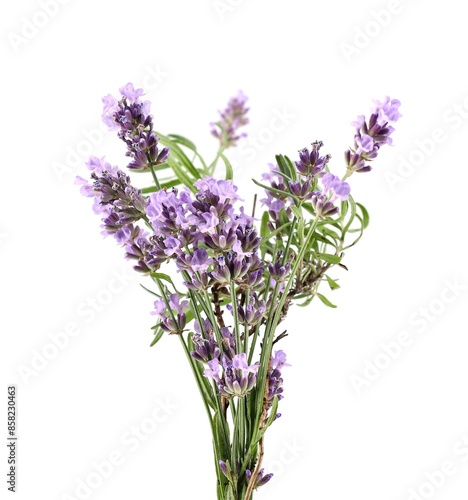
(283, 165)
(167, 185)
(292, 168)
(328, 257)
(306, 302)
(182, 140)
(297, 212)
(329, 232)
(320, 237)
(230, 493)
(220, 436)
(150, 291)
(264, 225)
(281, 228)
(352, 205)
(344, 209)
(179, 139)
(365, 215)
(157, 337)
(277, 191)
(284, 175)
(165, 277)
(332, 283)
(325, 300)
(177, 153)
(308, 207)
(227, 164)
(181, 175)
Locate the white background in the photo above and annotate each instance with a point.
(335, 440)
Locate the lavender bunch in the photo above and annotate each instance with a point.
(238, 277)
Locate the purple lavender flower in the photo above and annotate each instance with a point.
(251, 313)
(261, 478)
(225, 190)
(300, 189)
(234, 377)
(200, 261)
(371, 136)
(119, 203)
(310, 163)
(149, 252)
(174, 321)
(276, 202)
(109, 109)
(279, 271)
(131, 118)
(222, 240)
(231, 119)
(229, 342)
(132, 94)
(167, 212)
(322, 202)
(206, 347)
(275, 380)
(340, 189)
(387, 111)
(223, 467)
(229, 267)
(322, 205)
(355, 163)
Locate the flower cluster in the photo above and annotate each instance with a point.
(206, 347)
(371, 135)
(260, 480)
(225, 365)
(172, 315)
(209, 240)
(234, 377)
(119, 203)
(312, 168)
(131, 118)
(231, 119)
(275, 380)
(333, 189)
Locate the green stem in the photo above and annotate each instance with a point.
(155, 178)
(212, 318)
(235, 313)
(270, 328)
(212, 165)
(246, 325)
(197, 378)
(347, 174)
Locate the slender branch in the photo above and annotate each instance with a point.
(217, 305)
(155, 178)
(261, 445)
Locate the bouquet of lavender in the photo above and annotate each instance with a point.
(232, 274)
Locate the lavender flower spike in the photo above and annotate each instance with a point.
(233, 377)
(275, 380)
(231, 119)
(372, 135)
(131, 117)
